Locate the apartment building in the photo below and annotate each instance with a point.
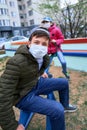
(9, 16)
(28, 12)
(18, 16)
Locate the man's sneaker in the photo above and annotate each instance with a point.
(70, 108)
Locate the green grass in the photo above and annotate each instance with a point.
(3, 59)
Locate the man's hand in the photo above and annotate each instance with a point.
(44, 75)
(20, 127)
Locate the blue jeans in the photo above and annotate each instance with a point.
(62, 61)
(54, 109)
(61, 58)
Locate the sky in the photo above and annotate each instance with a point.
(68, 1)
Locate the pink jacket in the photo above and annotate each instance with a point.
(56, 34)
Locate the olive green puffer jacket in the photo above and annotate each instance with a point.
(21, 74)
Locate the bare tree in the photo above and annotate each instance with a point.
(75, 20)
(71, 19)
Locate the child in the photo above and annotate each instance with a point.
(24, 80)
(56, 39)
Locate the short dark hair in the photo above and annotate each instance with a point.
(39, 32)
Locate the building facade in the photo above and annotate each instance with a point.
(28, 12)
(18, 17)
(9, 16)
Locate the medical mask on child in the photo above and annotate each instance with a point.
(46, 25)
(38, 51)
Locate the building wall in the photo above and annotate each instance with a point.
(4, 14)
(37, 16)
(13, 13)
(28, 12)
(9, 14)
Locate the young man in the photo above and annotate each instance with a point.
(24, 80)
(56, 39)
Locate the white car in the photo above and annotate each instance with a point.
(18, 38)
(13, 43)
(2, 40)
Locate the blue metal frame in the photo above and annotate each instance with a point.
(30, 115)
(78, 54)
(48, 124)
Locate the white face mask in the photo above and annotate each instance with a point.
(46, 25)
(38, 51)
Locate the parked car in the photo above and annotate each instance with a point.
(2, 46)
(13, 43)
(2, 40)
(18, 38)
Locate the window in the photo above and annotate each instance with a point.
(23, 6)
(14, 24)
(29, 2)
(4, 22)
(15, 39)
(3, 1)
(20, 7)
(3, 11)
(21, 16)
(32, 22)
(25, 15)
(30, 12)
(0, 23)
(7, 22)
(13, 14)
(26, 23)
(12, 4)
(6, 11)
(22, 24)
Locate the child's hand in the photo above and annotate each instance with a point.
(54, 41)
(44, 75)
(20, 127)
